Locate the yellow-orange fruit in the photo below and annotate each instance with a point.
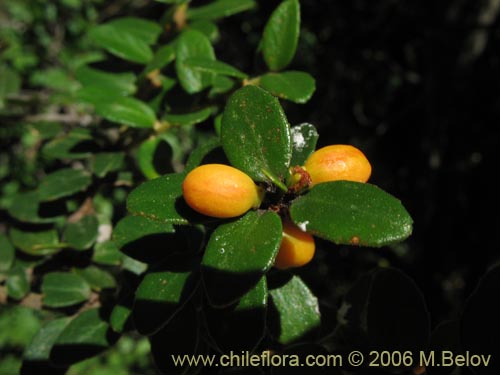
(338, 162)
(297, 248)
(220, 191)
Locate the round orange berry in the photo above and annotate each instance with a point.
(297, 248)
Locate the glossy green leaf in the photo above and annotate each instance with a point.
(96, 277)
(82, 234)
(160, 199)
(188, 119)
(63, 183)
(200, 152)
(41, 344)
(7, 253)
(18, 284)
(106, 162)
(107, 253)
(127, 111)
(219, 9)
(134, 266)
(221, 85)
(128, 38)
(297, 87)
(238, 254)
(193, 44)
(61, 289)
(145, 157)
(297, 308)
(119, 317)
(354, 213)
(214, 66)
(304, 139)
(255, 134)
(281, 35)
(162, 57)
(207, 28)
(159, 297)
(63, 146)
(36, 243)
(111, 83)
(240, 327)
(85, 336)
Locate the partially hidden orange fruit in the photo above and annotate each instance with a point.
(297, 247)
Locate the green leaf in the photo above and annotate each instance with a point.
(18, 284)
(304, 138)
(127, 111)
(41, 344)
(107, 253)
(96, 277)
(106, 162)
(10, 82)
(221, 85)
(159, 297)
(220, 9)
(111, 83)
(128, 38)
(82, 234)
(255, 134)
(297, 87)
(145, 157)
(193, 44)
(85, 336)
(57, 79)
(119, 317)
(162, 57)
(62, 146)
(36, 243)
(238, 254)
(354, 213)
(297, 308)
(240, 327)
(7, 253)
(214, 66)
(188, 119)
(207, 28)
(61, 289)
(161, 199)
(200, 153)
(281, 35)
(63, 183)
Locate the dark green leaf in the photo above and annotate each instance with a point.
(191, 44)
(126, 110)
(221, 85)
(85, 336)
(238, 254)
(63, 183)
(96, 277)
(297, 87)
(36, 243)
(207, 28)
(111, 83)
(119, 317)
(220, 9)
(188, 119)
(107, 253)
(10, 82)
(297, 309)
(62, 147)
(255, 134)
(106, 162)
(145, 157)
(82, 234)
(240, 327)
(281, 35)
(213, 66)
(61, 289)
(304, 138)
(18, 284)
(40, 346)
(7, 253)
(347, 212)
(163, 56)
(199, 153)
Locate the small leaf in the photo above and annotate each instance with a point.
(10, 82)
(281, 35)
(106, 162)
(127, 111)
(107, 253)
(119, 317)
(18, 284)
(162, 57)
(111, 83)
(36, 243)
(85, 336)
(193, 44)
(145, 157)
(63, 147)
(188, 119)
(347, 212)
(82, 234)
(304, 138)
(207, 28)
(96, 277)
(221, 85)
(25, 206)
(63, 183)
(61, 289)
(220, 9)
(297, 87)
(41, 344)
(213, 66)
(238, 254)
(200, 153)
(297, 309)
(255, 134)
(7, 253)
